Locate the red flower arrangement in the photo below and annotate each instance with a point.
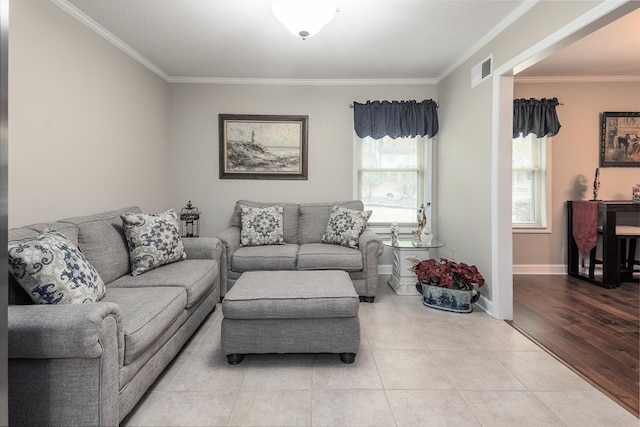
(448, 274)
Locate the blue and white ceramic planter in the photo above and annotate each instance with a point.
(456, 300)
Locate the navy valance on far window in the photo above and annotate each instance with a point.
(378, 119)
(537, 116)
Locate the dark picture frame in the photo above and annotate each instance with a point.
(263, 146)
(620, 139)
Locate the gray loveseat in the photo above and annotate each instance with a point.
(89, 364)
(304, 224)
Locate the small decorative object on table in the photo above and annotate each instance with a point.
(190, 221)
(636, 193)
(596, 184)
(395, 232)
(423, 234)
(448, 285)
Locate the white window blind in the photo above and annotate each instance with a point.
(391, 178)
(531, 191)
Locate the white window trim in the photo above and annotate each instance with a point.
(548, 228)
(429, 196)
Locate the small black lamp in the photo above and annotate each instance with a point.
(190, 221)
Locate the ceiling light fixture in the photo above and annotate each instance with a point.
(304, 18)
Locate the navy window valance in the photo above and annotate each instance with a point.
(537, 116)
(378, 119)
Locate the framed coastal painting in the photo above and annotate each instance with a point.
(263, 147)
(620, 139)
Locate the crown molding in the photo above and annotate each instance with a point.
(577, 79)
(93, 25)
(508, 20)
(101, 31)
(301, 82)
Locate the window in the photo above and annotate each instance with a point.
(391, 178)
(531, 183)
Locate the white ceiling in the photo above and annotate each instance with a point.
(404, 40)
(367, 39)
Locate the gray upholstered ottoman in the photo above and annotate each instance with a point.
(291, 312)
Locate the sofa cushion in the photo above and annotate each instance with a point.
(261, 226)
(195, 276)
(101, 240)
(291, 295)
(274, 257)
(153, 240)
(290, 222)
(321, 256)
(314, 218)
(345, 227)
(146, 314)
(53, 271)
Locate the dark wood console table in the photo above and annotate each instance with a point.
(607, 211)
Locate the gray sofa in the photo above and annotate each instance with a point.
(89, 364)
(304, 224)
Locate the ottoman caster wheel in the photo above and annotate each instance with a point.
(347, 357)
(234, 359)
(367, 299)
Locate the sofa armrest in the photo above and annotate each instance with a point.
(62, 331)
(64, 362)
(202, 247)
(230, 239)
(370, 243)
(371, 247)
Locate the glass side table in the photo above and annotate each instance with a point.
(403, 280)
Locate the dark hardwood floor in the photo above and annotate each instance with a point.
(593, 330)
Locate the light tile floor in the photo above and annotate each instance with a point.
(416, 367)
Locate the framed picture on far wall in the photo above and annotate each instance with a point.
(263, 147)
(620, 139)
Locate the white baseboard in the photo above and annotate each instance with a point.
(385, 269)
(540, 269)
(486, 305)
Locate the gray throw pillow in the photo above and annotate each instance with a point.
(153, 240)
(52, 270)
(261, 226)
(345, 227)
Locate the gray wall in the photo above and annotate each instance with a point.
(194, 148)
(464, 142)
(88, 125)
(575, 154)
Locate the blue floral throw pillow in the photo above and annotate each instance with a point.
(153, 240)
(52, 270)
(261, 226)
(345, 227)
